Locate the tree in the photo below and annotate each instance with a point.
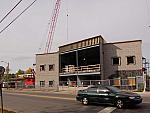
(19, 72)
(29, 71)
(8, 77)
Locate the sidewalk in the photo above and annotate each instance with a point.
(46, 91)
(61, 90)
(145, 94)
(67, 91)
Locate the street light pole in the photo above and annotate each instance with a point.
(1, 85)
(7, 71)
(2, 70)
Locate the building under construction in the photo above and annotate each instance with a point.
(81, 60)
(91, 59)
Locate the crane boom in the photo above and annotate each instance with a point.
(52, 26)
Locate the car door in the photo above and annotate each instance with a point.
(110, 98)
(105, 96)
(92, 95)
(102, 95)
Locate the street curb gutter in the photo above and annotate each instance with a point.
(52, 97)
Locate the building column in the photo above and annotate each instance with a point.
(101, 62)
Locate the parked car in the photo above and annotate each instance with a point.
(108, 95)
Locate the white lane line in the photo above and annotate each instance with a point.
(107, 110)
(53, 97)
(146, 102)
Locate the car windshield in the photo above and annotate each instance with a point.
(114, 89)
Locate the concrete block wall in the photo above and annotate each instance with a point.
(47, 59)
(122, 50)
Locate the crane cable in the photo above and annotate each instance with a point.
(10, 11)
(52, 26)
(17, 16)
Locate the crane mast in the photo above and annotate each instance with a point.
(52, 26)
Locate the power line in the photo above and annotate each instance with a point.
(17, 16)
(10, 11)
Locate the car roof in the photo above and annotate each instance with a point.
(97, 86)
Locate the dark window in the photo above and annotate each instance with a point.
(51, 83)
(131, 60)
(51, 67)
(42, 83)
(116, 61)
(89, 56)
(42, 67)
(114, 89)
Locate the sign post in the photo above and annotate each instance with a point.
(2, 70)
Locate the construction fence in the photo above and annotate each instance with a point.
(126, 84)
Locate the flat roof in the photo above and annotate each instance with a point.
(88, 39)
(124, 41)
(81, 40)
(47, 53)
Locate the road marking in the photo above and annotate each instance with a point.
(146, 102)
(107, 110)
(53, 97)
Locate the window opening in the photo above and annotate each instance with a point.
(42, 67)
(130, 60)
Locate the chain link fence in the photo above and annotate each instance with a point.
(125, 84)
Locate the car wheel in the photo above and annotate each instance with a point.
(119, 104)
(85, 101)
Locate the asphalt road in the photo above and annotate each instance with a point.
(56, 103)
(36, 104)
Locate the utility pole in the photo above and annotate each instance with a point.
(2, 70)
(145, 73)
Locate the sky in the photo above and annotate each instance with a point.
(114, 20)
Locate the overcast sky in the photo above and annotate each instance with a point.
(115, 20)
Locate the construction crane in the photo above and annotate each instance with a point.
(52, 26)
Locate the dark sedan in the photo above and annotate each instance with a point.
(108, 95)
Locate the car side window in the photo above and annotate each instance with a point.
(92, 90)
(102, 90)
